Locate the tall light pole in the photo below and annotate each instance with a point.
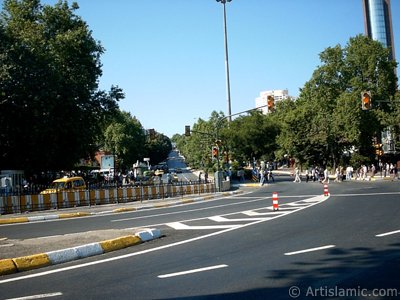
(228, 87)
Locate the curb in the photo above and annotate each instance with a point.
(30, 262)
(43, 218)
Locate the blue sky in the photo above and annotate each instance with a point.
(168, 55)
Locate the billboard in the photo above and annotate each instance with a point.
(107, 162)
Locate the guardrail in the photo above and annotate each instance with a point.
(66, 199)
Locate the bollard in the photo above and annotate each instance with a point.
(275, 201)
(326, 191)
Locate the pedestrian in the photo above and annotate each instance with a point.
(307, 175)
(297, 175)
(349, 171)
(271, 176)
(262, 177)
(326, 176)
(313, 174)
(373, 170)
(394, 172)
(337, 175)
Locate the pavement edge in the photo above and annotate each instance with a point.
(30, 262)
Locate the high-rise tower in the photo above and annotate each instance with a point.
(378, 23)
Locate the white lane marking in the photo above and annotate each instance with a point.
(181, 226)
(368, 194)
(388, 233)
(192, 271)
(220, 219)
(310, 250)
(40, 296)
(296, 204)
(255, 213)
(84, 265)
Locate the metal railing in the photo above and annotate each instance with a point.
(30, 200)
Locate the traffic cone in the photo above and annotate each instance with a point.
(275, 201)
(326, 191)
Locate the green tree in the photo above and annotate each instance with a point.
(251, 136)
(125, 138)
(327, 119)
(51, 109)
(157, 148)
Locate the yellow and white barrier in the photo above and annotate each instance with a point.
(16, 204)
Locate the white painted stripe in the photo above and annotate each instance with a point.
(283, 208)
(255, 213)
(222, 219)
(311, 200)
(181, 226)
(296, 204)
(310, 250)
(40, 296)
(388, 233)
(192, 271)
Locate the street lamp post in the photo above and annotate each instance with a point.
(228, 88)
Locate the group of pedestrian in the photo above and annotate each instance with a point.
(265, 173)
(315, 174)
(363, 172)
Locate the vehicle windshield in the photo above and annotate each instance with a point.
(58, 185)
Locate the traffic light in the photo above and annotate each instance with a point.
(271, 103)
(215, 152)
(187, 130)
(378, 149)
(366, 101)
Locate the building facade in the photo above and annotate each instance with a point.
(263, 99)
(378, 23)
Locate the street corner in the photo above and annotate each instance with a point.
(35, 261)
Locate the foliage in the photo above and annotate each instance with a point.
(157, 149)
(251, 136)
(51, 109)
(125, 138)
(327, 119)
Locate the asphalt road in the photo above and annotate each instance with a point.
(238, 248)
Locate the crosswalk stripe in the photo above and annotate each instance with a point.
(222, 219)
(181, 226)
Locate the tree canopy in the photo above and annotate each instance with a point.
(52, 111)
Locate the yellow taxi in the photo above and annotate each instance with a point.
(66, 184)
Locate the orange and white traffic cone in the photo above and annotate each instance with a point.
(326, 191)
(275, 201)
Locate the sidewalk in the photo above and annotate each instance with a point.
(22, 255)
